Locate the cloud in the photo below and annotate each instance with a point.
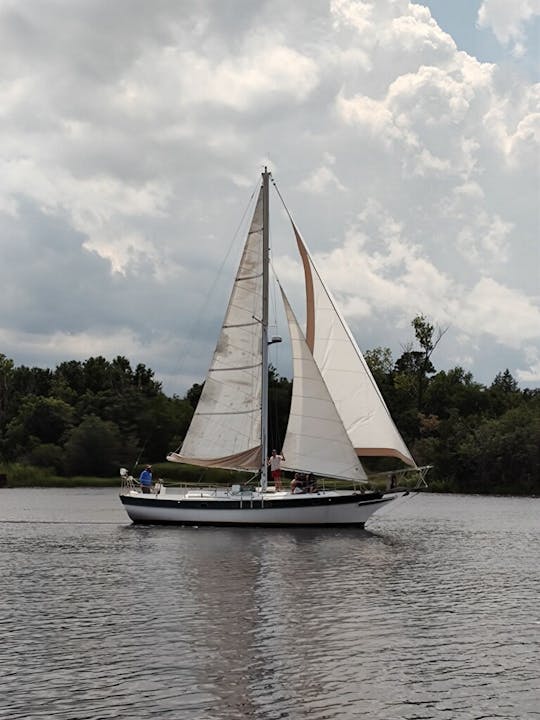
(531, 374)
(322, 179)
(508, 20)
(508, 315)
(133, 135)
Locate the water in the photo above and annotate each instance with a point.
(433, 612)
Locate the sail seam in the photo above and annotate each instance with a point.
(248, 277)
(236, 367)
(235, 412)
(239, 325)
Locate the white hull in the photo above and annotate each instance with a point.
(223, 508)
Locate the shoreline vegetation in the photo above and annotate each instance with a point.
(78, 424)
(24, 476)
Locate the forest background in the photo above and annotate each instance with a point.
(88, 419)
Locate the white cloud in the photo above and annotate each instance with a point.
(266, 71)
(508, 20)
(378, 267)
(321, 180)
(508, 315)
(531, 374)
(484, 242)
(132, 134)
(370, 114)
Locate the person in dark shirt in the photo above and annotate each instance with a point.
(145, 478)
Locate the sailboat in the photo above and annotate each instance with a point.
(337, 412)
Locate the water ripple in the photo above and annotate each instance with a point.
(432, 614)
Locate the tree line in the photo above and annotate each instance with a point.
(483, 439)
(87, 418)
(95, 416)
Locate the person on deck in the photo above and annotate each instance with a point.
(145, 478)
(297, 484)
(311, 483)
(275, 468)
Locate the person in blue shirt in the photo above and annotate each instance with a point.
(145, 478)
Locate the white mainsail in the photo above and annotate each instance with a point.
(226, 427)
(316, 440)
(346, 374)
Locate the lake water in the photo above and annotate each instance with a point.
(432, 612)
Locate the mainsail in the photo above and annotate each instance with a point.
(226, 427)
(316, 440)
(346, 374)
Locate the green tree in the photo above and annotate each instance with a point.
(6, 383)
(194, 393)
(122, 376)
(39, 420)
(144, 380)
(411, 378)
(505, 383)
(47, 455)
(503, 454)
(162, 424)
(381, 364)
(94, 448)
(428, 338)
(455, 389)
(503, 393)
(71, 374)
(32, 381)
(279, 403)
(97, 374)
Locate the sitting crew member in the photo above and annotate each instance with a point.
(275, 468)
(297, 484)
(311, 483)
(145, 478)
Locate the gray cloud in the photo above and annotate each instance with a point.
(133, 134)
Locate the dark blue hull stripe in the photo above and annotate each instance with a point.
(209, 504)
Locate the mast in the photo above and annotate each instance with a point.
(264, 396)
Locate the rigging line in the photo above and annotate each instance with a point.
(280, 196)
(196, 318)
(139, 455)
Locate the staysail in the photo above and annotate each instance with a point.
(316, 440)
(346, 374)
(226, 428)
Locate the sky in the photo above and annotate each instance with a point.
(403, 136)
